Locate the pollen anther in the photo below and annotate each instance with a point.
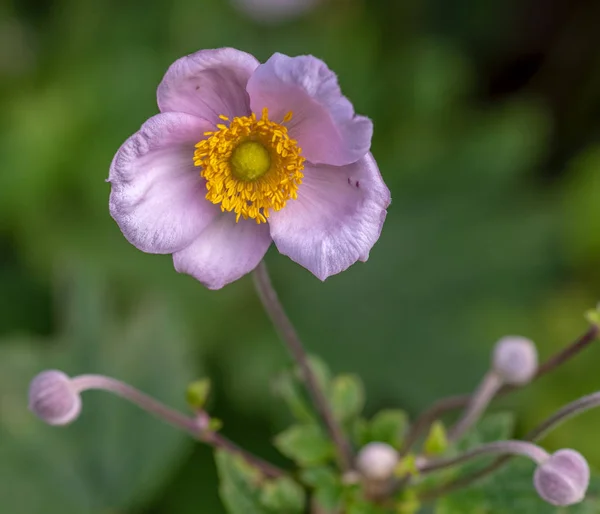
(251, 166)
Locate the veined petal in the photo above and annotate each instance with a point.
(157, 195)
(225, 251)
(208, 83)
(323, 123)
(336, 219)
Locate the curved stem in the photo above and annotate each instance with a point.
(440, 407)
(565, 413)
(480, 399)
(524, 448)
(288, 334)
(171, 416)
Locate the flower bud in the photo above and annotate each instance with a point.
(563, 479)
(377, 461)
(53, 398)
(515, 359)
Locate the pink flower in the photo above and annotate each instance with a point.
(243, 154)
(273, 11)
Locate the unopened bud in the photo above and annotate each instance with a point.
(515, 359)
(563, 479)
(53, 398)
(377, 461)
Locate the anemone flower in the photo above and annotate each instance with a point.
(243, 154)
(274, 11)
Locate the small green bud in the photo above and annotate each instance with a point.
(593, 316)
(215, 424)
(197, 393)
(407, 466)
(437, 440)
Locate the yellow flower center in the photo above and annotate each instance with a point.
(250, 160)
(251, 166)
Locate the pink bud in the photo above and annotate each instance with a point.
(563, 479)
(377, 461)
(515, 359)
(53, 399)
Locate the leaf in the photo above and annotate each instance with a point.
(327, 487)
(347, 397)
(290, 387)
(388, 426)
(244, 490)
(239, 484)
(321, 372)
(290, 390)
(307, 445)
(115, 455)
(492, 427)
(284, 496)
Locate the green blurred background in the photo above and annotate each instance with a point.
(486, 131)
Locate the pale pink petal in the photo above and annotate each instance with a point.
(157, 195)
(323, 123)
(225, 251)
(208, 83)
(336, 219)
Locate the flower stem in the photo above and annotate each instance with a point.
(288, 334)
(173, 417)
(480, 399)
(565, 413)
(524, 448)
(440, 407)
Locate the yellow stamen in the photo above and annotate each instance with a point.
(251, 166)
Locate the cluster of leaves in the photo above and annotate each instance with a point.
(309, 447)
(318, 483)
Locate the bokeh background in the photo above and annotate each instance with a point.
(486, 131)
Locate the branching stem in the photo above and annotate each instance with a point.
(173, 417)
(440, 407)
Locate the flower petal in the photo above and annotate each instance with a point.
(336, 219)
(208, 83)
(323, 123)
(225, 251)
(157, 195)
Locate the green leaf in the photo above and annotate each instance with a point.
(408, 502)
(321, 372)
(307, 445)
(388, 426)
(284, 496)
(289, 389)
(493, 427)
(114, 456)
(239, 485)
(347, 397)
(327, 487)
